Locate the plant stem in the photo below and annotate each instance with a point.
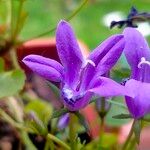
(11, 18)
(102, 116)
(129, 137)
(72, 133)
(8, 119)
(58, 141)
(14, 59)
(18, 19)
(132, 144)
(49, 144)
(75, 12)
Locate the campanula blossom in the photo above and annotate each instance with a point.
(80, 77)
(137, 53)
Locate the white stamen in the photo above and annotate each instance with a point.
(88, 61)
(68, 92)
(143, 61)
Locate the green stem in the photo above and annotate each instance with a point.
(129, 137)
(132, 144)
(72, 133)
(11, 19)
(18, 20)
(102, 129)
(49, 144)
(68, 19)
(58, 141)
(77, 10)
(14, 59)
(8, 119)
(102, 116)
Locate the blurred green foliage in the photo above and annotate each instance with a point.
(88, 24)
(11, 82)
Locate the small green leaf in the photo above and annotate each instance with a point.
(122, 116)
(137, 130)
(54, 89)
(39, 113)
(60, 112)
(11, 82)
(42, 109)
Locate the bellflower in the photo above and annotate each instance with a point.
(80, 77)
(137, 54)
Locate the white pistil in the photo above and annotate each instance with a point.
(68, 93)
(143, 61)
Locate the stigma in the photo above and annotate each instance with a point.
(88, 61)
(143, 61)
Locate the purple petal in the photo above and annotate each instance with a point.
(46, 68)
(104, 56)
(111, 58)
(69, 53)
(106, 87)
(136, 47)
(63, 121)
(104, 48)
(140, 104)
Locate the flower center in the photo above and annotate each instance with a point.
(70, 96)
(143, 61)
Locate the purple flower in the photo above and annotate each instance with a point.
(80, 77)
(138, 56)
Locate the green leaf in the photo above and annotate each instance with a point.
(60, 112)
(11, 82)
(122, 116)
(43, 110)
(137, 130)
(54, 89)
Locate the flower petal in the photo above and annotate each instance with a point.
(46, 68)
(104, 56)
(106, 87)
(63, 121)
(111, 58)
(69, 53)
(140, 104)
(136, 47)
